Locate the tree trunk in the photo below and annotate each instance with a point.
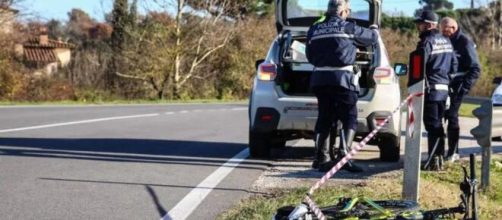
(160, 94)
(120, 18)
(499, 22)
(177, 59)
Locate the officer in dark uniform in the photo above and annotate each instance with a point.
(331, 47)
(461, 82)
(440, 62)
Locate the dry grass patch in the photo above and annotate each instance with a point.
(437, 190)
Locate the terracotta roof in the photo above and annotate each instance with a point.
(40, 55)
(34, 42)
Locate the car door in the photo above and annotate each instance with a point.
(299, 15)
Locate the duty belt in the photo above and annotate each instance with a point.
(457, 74)
(442, 87)
(344, 68)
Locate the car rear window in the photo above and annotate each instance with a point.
(316, 8)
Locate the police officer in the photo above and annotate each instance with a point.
(440, 62)
(331, 47)
(461, 81)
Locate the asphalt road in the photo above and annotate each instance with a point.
(287, 173)
(124, 162)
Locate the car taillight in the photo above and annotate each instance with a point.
(380, 121)
(267, 72)
(266, 118)
(383, 75)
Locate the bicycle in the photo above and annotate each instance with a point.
(365, 208)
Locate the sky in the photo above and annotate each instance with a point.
(58, 9)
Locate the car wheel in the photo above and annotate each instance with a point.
(496, 138)
(259, 145)
(389, 148)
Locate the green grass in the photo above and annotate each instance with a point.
(466, 109)
(437, 190)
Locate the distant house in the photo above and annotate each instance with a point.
(45, 55)
(7, 19)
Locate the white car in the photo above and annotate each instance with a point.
(497, 94)
(283, 108)
(497, 103)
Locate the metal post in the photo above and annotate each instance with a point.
(485, 167)
(412, 157)
(474, 208)
(483, 135)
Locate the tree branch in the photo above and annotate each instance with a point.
(198, 61)
(131, 76)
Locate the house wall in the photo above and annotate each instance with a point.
(47, 70)
(64, 56)
(51, 68)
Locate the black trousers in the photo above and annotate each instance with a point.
(335, 103)
(433, 114)
(452, 113)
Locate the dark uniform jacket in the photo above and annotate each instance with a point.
(440, 62)
(332, 42)
(468, 63)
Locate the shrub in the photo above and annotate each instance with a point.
(44, 88)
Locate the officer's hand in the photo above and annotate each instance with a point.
(374, 27)
(463, 91)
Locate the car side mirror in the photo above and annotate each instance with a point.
(258, 62)
(497, 80)
(401, 69)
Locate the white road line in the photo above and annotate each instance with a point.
(239, 109)
(184, 112)
(189, 203)
(77, 122)
(169, 113)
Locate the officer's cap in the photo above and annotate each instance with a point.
(427, 16)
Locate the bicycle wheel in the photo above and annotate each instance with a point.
(399, 209)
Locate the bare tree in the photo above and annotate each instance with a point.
(190, 50)
(487, 21)
(148, 51)
(192, 35)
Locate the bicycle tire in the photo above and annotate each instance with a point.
(398, 207)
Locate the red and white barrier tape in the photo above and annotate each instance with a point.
(354, 151)
(411, 118)
(317, 211)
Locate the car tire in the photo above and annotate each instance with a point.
(259, 145)
(389, 148)
(496, 138)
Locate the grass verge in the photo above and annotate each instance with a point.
(437, 190)
(466, 109)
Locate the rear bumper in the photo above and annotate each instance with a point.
(299, 113)
(266, 120)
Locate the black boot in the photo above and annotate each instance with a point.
(453, 138)
(322, 154)
(435, 145)
(332, 141)
(346, 139)
(320, 147)
(315, 162)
